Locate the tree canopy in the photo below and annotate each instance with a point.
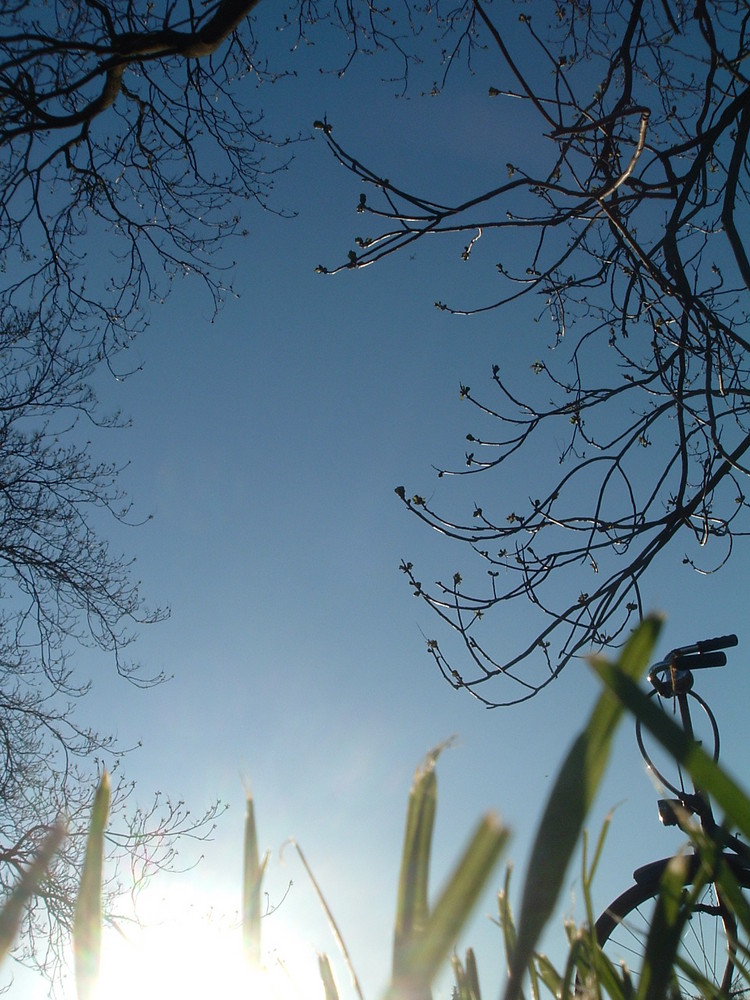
(627, 227)
(63, 587)
(136, 127)
(120, 125)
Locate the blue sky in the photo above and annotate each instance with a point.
(267, 444)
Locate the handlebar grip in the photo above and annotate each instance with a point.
(696, 661)
(720, 642)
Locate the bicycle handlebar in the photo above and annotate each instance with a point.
(704, 646)
(684, 659)
(720, 642)
(697, 661)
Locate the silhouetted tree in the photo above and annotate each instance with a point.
(62, 587)
(134, 127)
(627, 223)
(130, 137)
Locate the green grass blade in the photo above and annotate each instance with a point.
(549, 975)
(472, 975)
(704, 988)
(577, 969)
(734, 896)
(331, 921)
(87, 922)
(412, 907)
(461, 987)
(13, 909)
(568, 805)
(466, 977)
(507, 924)
(716, 868)
(589, 870)
(326, 975)
(588, 961)
(508, 927)
(253, 870)
(665, 932)
(423, 961)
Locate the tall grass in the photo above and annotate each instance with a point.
(425, 933)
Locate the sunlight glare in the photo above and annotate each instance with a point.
(192, 954)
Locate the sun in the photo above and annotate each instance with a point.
(190, 953)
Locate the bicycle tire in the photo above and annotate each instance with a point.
(622, 927)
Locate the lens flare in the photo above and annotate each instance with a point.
(191, 953)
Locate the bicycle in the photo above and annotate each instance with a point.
(712, 940)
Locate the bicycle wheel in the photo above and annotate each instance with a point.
(712, 942)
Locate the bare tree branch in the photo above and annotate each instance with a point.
(635, 226)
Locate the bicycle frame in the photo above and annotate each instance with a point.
(673, 678)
